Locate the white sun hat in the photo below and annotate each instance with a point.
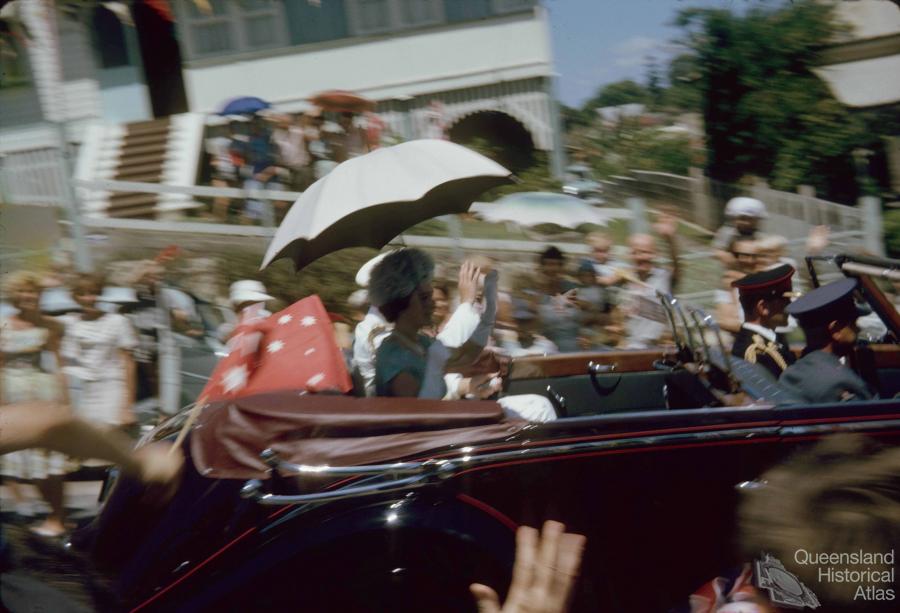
(117, 295)
(365, 271)
(358, 299)
(743, 206)
(248, 290)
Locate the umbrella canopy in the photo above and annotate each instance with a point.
(368, 200)
(535, 208)
(245, 105)
(339, 100)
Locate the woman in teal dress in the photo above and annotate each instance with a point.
(412, 364)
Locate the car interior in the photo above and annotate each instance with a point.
(697, 373)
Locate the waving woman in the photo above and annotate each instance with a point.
(410, 363)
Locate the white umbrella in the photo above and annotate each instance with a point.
(535, 208)
(368, 200)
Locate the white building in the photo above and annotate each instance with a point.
(487, 62)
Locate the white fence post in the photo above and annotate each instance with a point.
(638, 223)
(700, 200)
(870, 207)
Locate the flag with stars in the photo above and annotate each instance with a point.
(293, 349)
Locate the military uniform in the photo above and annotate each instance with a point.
(821, 376)
(757, 347)
(755, 343)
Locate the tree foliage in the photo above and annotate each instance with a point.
(630, 146)
(618, 93)
(683, 92)
(765, 112)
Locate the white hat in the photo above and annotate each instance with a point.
(58, 300)
(358, 299)
(117, 295)
(248, 290)
(745, 207)
(365, 271)
(7, 310)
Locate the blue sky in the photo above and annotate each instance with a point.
(602, 41)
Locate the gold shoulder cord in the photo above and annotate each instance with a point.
(770, 349)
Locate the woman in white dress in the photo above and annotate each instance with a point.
(97, 349)
(30, 371)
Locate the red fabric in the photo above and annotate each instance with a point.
(293, 349)
(162, 7)
(338, 101)
(167, 254)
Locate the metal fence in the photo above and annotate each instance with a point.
(792, 215)
(33, 176)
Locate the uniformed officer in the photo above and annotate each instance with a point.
(764, 296)
(828, 317)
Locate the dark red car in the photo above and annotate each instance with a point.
(334, 503)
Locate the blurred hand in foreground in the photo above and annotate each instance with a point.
(158, 466)
(544, 573)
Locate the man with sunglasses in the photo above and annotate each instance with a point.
(764, 298)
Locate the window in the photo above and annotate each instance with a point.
(464, 10)
(419, 12)
(378, 16)
(261, 19)
(508, 6)
(232, 26)
(210, 34)
(374, 15)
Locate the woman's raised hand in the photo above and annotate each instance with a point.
(468, 282)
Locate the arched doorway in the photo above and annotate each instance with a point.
(498, 135)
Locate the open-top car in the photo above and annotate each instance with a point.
(337, 503)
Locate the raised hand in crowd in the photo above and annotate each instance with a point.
(817, 240)
(468, 282)
(544, 573)
(666, 225)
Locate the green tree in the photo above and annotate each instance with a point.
(620, 92)
(765, 112)
(683, 93)
(654, 82)
(575, 118)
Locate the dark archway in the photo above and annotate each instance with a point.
(162, 60)
(109, 38)
(497, 134)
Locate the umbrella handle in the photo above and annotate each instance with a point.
(188, 424)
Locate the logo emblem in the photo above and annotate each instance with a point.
(784, 588)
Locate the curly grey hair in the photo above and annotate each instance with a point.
(398, 275)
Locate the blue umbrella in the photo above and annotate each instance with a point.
(245, 105)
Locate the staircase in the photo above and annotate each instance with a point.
(142, 153)
(160, 151)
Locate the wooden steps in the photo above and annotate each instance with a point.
(141, 159)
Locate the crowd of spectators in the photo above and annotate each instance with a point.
(71, 340)
(282, 152)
